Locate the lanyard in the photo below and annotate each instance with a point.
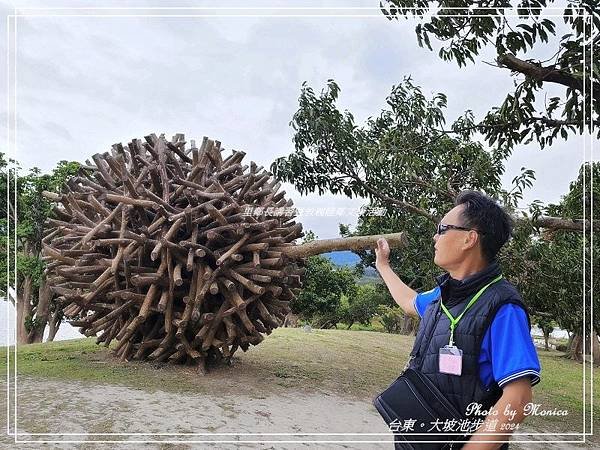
(454, 321)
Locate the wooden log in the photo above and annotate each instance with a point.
(252, 287)
(233, 249)
(395, 240)
(113, 198)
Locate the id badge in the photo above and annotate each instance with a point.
(450, 360)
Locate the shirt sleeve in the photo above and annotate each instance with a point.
(513, 353)
(422, 299)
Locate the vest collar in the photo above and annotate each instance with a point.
(455, 291)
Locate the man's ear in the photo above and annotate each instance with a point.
(471, 239)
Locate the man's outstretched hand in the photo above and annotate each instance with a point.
(403, 295)
(382, 253)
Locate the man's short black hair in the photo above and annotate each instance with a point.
(484, 214)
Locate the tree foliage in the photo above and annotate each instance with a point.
(550, 267)
(391, 317)
(399, 158)
(465, 28)
(29, 209)
(323, 287)
(6, 275)
(324, 284)
(416, 187)
(362, 306)
(399, 161)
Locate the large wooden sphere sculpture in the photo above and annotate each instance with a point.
(175, 252)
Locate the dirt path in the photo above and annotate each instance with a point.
(48, 406)
(52, 407)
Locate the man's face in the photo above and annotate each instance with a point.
(451, 247)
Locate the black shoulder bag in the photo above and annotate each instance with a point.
(414, 397)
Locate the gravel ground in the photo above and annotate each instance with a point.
(48, 406)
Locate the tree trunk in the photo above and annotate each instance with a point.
(595, 348)
(42, 311)
(54, 325)
(326, 325)
(415, 327)
(546, 337)
(350, 326)
(570, 341)
(407, 325)
(20, 320)
(23, 310)
(574, 351)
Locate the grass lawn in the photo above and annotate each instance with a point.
(357, 364)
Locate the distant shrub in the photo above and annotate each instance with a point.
(391, 318)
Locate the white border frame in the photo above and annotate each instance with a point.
(12, 114)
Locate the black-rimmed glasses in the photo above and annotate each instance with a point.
(442, 228)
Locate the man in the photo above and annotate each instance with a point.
(499, 361)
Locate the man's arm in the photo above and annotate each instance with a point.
(402, 294)
(504, 417)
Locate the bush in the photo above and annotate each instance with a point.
(320, 298)
(391, 318)
(361, 307)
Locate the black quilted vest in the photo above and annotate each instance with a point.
(434, 332)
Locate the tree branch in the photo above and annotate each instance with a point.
(450, 194)
(551, 122)
(560, 223)
(392, 201)
(541, 73)
(11, 211)
(526, 121)
(541, 314)
(548, 222)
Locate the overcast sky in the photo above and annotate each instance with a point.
(84, 83)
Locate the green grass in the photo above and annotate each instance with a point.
(83, 360)
(356, 364)
(562, 388)
(375, 325)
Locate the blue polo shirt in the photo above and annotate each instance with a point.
(507, 350)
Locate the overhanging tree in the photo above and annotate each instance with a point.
(464, 29)
(400, 158)
(399, 161)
